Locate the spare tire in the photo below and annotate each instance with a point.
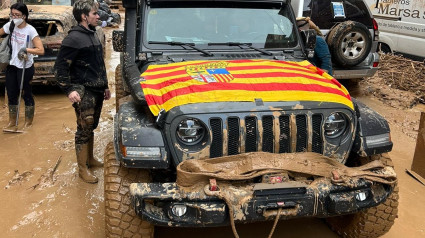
(349, 43)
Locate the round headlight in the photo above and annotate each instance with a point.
(335, 125)
(190, 131)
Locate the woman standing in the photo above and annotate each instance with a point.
(20, 30)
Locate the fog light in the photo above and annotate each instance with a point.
(144, 152)
(179, 210)
(361, 196)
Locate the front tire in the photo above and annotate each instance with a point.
(372, 222)
(119, 87)
(120, 218)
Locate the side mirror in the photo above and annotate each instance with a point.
(118, 41)
(309, 40)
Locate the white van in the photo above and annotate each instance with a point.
(401, 25)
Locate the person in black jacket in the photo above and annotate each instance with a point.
(81, 74)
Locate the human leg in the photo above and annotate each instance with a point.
(85, 126)
(92, 162)
(28, 97)
(12, 88)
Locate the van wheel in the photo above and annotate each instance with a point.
(119, 86)
(372, 222)
(120, 218)
(384, 48)
(349, 43)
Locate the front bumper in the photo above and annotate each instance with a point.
(256, 202)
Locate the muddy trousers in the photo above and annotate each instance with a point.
(88, 114)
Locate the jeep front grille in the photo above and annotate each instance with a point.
(282, 134)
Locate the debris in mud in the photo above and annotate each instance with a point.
(47, 178)
(18, 178)
(400, 82)
(67, 129)
(66, 145)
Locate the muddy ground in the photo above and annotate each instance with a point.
(36, 203)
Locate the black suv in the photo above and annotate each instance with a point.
(205, 83)
(351, 33)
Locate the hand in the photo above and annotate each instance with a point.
(22, 54)
(107, 94)
(74, 97)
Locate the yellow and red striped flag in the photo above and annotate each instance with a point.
(176, 84)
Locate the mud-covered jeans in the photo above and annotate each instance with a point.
(88, 114)
(13, 83)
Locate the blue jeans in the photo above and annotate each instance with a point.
(322, 56)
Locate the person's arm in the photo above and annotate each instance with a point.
(5, 29)
(64, 60)
(38, 47)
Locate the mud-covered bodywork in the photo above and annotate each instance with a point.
(52, 24)
(192, 98)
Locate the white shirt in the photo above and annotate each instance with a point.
(18, 41)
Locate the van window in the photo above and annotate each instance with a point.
(307, 8)
(355, 9)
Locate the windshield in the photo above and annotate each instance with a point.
(264, 28)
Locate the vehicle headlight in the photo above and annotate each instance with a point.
(335, 124)
(190, 131)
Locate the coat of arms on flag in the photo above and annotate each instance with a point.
(214, 72)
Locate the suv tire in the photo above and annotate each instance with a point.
(119, 87)
(349, 43)
(120, 218)
(372, 222)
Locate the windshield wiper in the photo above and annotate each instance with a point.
(249, 45)
(191, 45)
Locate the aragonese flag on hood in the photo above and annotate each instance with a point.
(171, 85)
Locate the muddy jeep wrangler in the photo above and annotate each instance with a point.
(222, 120)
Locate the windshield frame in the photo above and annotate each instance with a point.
(275, 6)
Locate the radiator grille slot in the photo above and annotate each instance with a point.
(317, 145)
(302, 138)
(284, 137)
(251, 134)
(266, 130)
(233, 136)
(216, 149)
(268, 137)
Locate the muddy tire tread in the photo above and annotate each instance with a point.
(120, 218)
(119, 86)
(372, 222)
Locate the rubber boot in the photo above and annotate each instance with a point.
(29, 115)
(82, 151)
(92, 162)
(13, 111)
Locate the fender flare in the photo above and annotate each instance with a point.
(370, 126)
